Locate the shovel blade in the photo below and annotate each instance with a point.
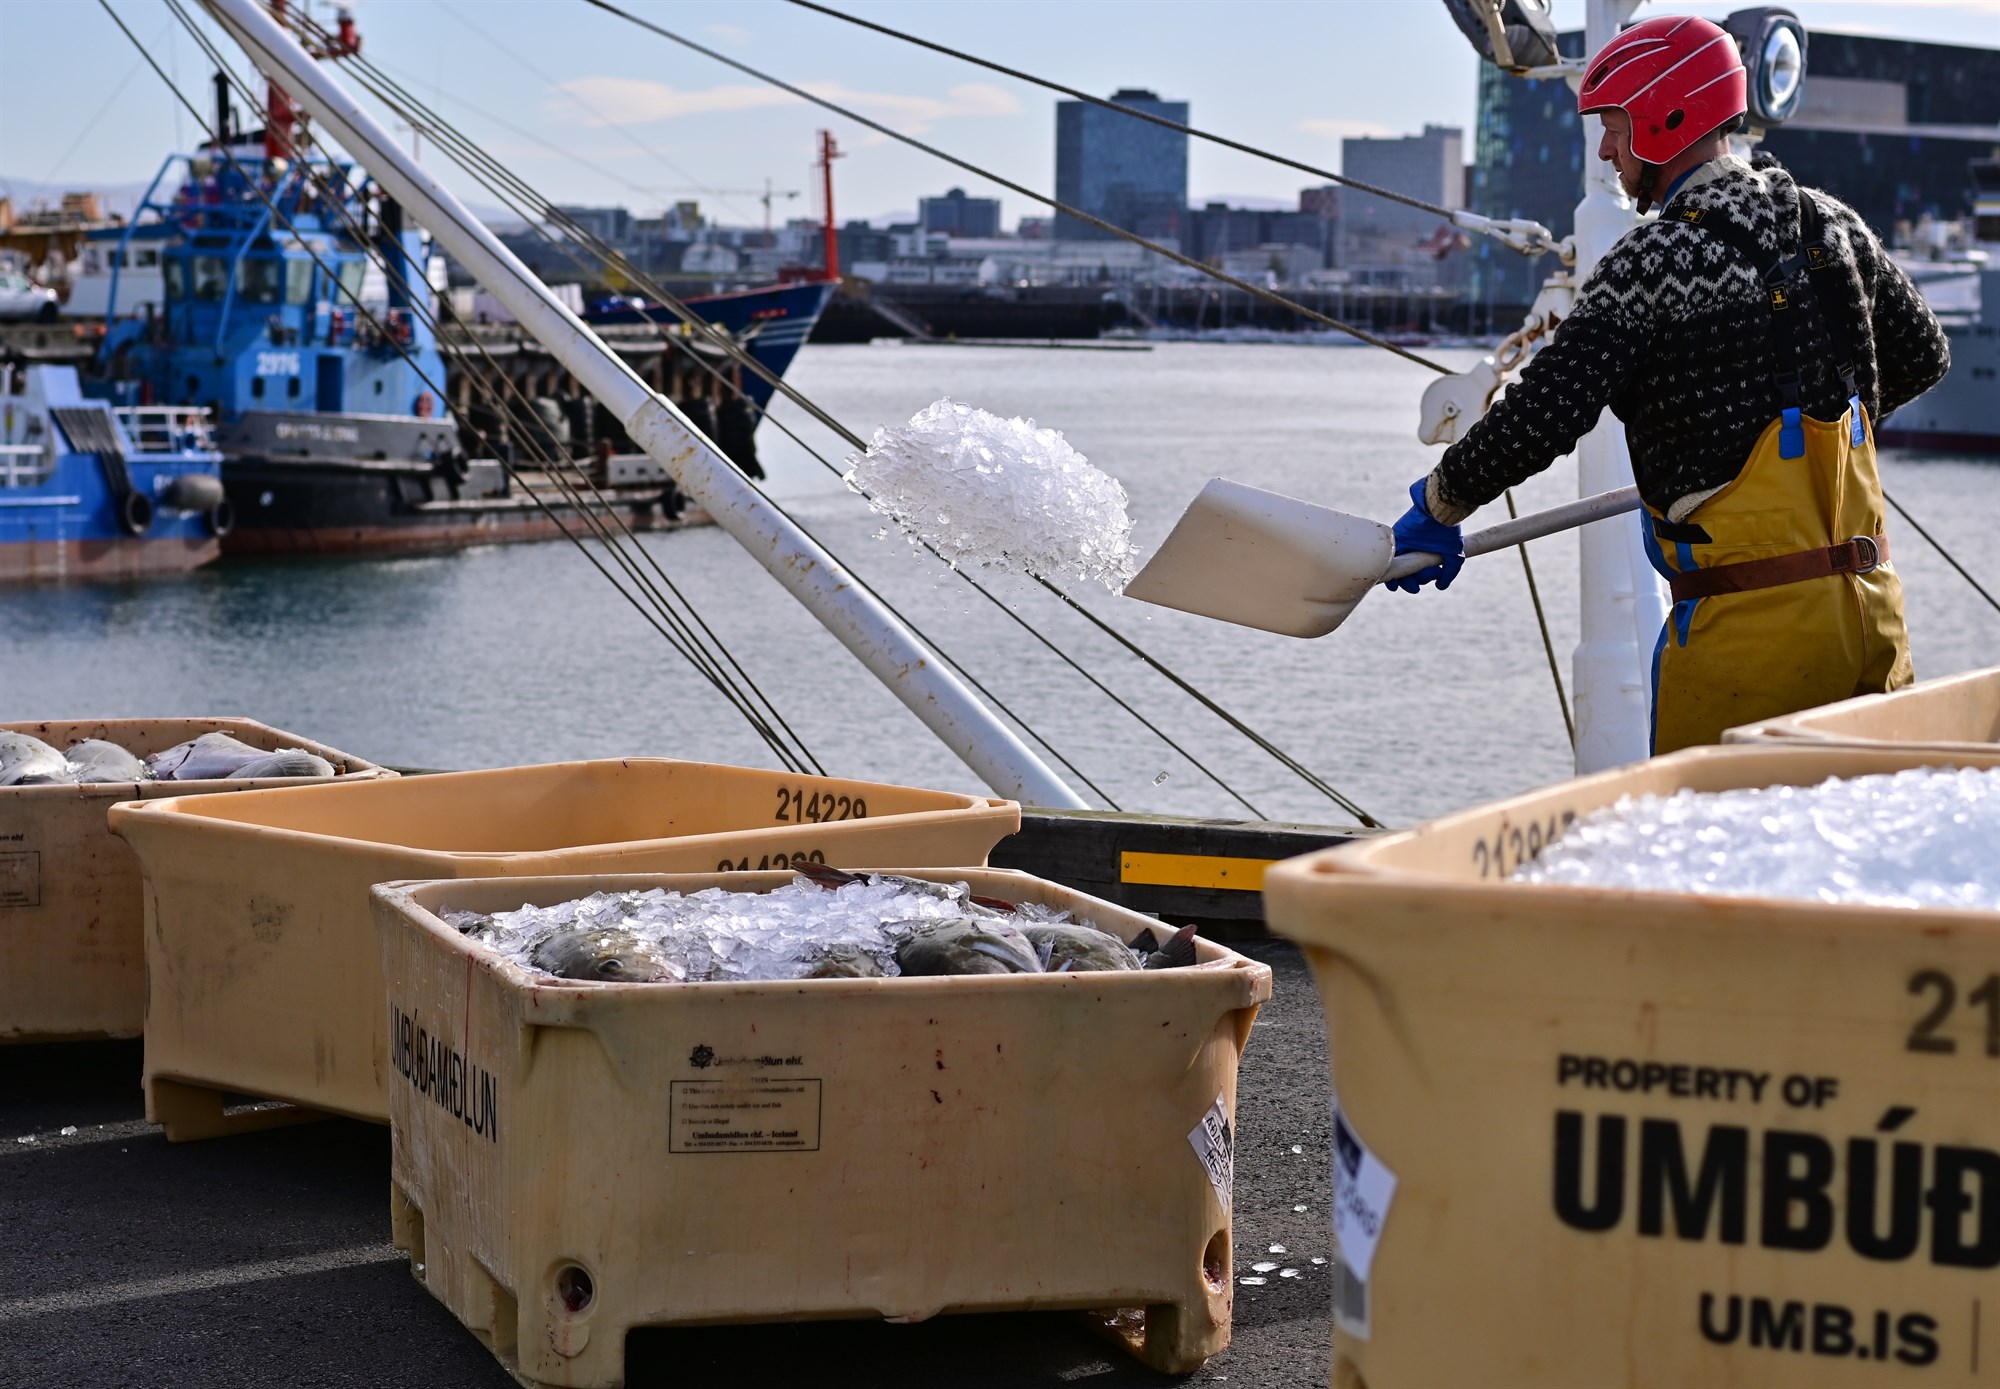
(1260, 559)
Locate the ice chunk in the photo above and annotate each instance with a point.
(1263, 1266)
(1277, 1249)
(1288, 1273)
(1253, 1282)
(1917, 838)
(1003, 494)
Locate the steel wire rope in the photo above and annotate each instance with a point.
(1542, 621)
(611, 257)
(634, 141)
(1269, 296)
(1317, 172)
(1302, 167)
(444, 140)
(1122, 109)
(558, 471)
(363, 311)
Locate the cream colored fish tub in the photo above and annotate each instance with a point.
(1957, 713)
(1616, 1138)
(72, 953)
(574, 1160)
(263, 977)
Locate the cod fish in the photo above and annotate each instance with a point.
(1177, 953)
(94, 762)
(602, 955)
(218, 756)
(26, 761)
(842, 962)
(967, 945)
(1079, 948)
(283, 762)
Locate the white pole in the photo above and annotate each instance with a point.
(1624, 601)
(913, 673)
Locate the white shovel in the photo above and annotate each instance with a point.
(1259, 559)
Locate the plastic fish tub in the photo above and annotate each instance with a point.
(1958, 713)
(574, 1160)
(263, 978)
(72, 960)
(1604, 1138)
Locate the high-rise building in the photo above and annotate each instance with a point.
(1527, 162)
(957, 215)
(1131, 173)
(1378, 233)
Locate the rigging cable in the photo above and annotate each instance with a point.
(1542, 621)
(1269, 296)
(1289, 163)
(1223, 140)
(363, 311)
(445, 136)
(611, 257)
(444, 143)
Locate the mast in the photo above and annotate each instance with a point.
(829, 239)
(874, 635)
(1623, 600)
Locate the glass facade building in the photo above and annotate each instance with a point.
(1128, 172)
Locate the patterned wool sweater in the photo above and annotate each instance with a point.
(1671, 331)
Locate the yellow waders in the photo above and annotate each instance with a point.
(1736, 657)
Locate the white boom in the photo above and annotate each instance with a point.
(912, 672)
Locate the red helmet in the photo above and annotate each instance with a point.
(1678, 77)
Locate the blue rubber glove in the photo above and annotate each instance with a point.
(1418, 532)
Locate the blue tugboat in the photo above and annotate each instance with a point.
(332, 430)
(92, 492)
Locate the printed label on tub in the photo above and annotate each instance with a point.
(1215, 1145)
(21, 878)
(750, 1114)
(1362, 1191)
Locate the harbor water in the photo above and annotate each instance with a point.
(501, 655)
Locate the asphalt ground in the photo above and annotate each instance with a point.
(264, 1259)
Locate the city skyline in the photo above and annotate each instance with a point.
(643, 124)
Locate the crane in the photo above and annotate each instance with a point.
(765, 195)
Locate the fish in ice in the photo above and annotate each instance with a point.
(94, 762)
(26, 761)
(1077, 947)
(602, 955)
(842, 961)
(283, 762)
(967, 945)
(220, 756)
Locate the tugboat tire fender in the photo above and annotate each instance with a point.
(135, 513)
(221, 519)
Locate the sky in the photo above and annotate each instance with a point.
(634, 119)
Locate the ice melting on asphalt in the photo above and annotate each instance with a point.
(716, 935)
(1004, 494)
(1918, 838)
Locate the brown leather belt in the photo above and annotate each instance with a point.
(1856, 556)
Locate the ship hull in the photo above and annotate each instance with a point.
(288, 508)
(95, 560)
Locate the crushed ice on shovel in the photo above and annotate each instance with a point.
(824, 924)
(1002, 494)
(1917, 838)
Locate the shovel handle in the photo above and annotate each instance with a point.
(1531, 527)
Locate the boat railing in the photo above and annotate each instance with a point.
(23, 465)
(166, 428)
